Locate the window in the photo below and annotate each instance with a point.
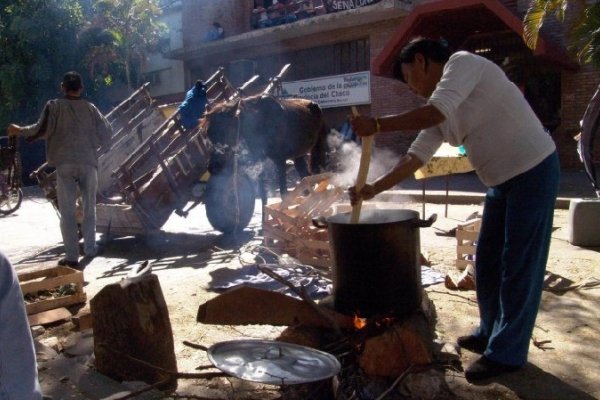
(340, 58)
(152, 77)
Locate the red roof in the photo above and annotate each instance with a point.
(456, 20)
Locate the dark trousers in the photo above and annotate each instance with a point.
(512, 251)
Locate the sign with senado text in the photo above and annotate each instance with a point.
(341, 5)
(332, 91)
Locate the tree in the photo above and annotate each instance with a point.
(38, 44)
(584, 35)
(36, 38)
(128, 31)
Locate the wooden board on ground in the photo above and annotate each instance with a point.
(247, 305)
(52, 279)
(119, 219)
(83, 319)
(49, 317)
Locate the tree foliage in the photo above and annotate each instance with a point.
(584, 32)
(37, 39)
(105, 40)
(131, 30)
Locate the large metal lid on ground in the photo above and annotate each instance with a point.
(272, 362)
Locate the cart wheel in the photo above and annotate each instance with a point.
(229, 204)
(11, 201)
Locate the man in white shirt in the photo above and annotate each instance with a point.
(472, 103)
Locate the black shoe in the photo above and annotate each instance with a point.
(484, 368)
(63, 262)
(472, 343)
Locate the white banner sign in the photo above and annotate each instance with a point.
(332, 91)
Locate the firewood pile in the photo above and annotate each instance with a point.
(380, 357)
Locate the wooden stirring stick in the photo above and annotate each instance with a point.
(363, 170)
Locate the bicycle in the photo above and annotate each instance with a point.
(11, 194)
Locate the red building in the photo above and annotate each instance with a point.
(337, 38)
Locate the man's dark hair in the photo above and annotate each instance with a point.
(72, 81)
(433, 50)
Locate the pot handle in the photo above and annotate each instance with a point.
(425, 223)
(320, 222)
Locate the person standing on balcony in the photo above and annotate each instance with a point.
(215, 32)
(74, 130)
(471, 102)
(260, 17)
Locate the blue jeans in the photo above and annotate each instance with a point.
(18, 369)
(73, 180)
(512, 251)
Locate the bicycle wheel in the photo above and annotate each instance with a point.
(11, 201)
(11, 194)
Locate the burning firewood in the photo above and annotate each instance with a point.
(401, 345)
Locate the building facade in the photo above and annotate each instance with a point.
(166, 75)
(338, 40)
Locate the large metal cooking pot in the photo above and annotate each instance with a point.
(376, 263)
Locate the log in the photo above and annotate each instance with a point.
(83, 319)
(401, 345)
(245, 305)
(133, 320)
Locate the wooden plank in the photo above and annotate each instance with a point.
(467, 235)
(49, 304)
(247, 305)
(51, 283)
(462, 264)
(43, 273)
(273, 231)
(122, 218)
(83, 319)
(314, 244)
(48, 317)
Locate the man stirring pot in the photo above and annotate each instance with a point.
(471, 102)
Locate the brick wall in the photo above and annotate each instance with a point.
(577, 90)
(389, 96)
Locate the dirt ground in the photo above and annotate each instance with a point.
(563, 360)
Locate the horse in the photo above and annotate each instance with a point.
(270, 128)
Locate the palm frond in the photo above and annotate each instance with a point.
(534, 18)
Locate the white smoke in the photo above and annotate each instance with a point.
(347, 160)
